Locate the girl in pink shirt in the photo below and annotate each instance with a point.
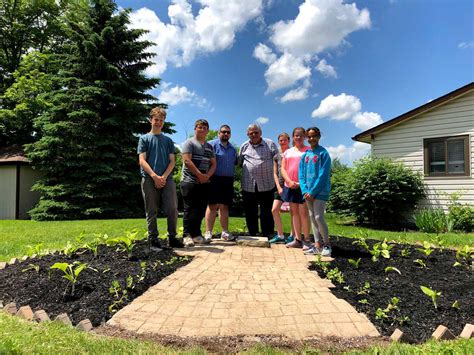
(292, 192)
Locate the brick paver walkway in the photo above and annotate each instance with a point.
(231, 290)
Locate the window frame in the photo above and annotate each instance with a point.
(445, 140)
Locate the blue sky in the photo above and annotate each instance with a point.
(343, 66)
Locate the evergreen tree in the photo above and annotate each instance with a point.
(88, 134)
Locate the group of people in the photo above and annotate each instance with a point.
(298, 176)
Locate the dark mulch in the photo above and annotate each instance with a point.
(45, 289)
(416, 314)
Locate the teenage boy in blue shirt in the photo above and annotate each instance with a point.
(157, 160)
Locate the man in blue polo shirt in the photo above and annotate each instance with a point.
(222, 184)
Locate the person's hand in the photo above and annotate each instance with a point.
(203, 178)
(158, 181)
(280, 191)
(308, 197)
(294, 185)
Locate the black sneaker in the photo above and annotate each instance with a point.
(175, 243)
(154, 243)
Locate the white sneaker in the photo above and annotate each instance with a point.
(326, 251)
(188, 242)
(208, 237)
(199, 240)
(226, 236)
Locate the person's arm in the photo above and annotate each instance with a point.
(302, 178)
(187, 160)
(323, 176)
(291, 184)
(276, 179)
(212, 168)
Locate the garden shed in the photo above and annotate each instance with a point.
(16, 179)
(436, 139)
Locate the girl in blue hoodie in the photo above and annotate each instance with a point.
(314, 176)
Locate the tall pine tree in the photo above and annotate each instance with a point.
(88, 134)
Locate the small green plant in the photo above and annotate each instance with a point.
(392, 268)
(71, 273)
(420, 262)
(80, 238)
(364, 290)
(384, 313)
(70, 249)
(142, 275)
(355, 263)
(433, 294)
(380, 249)
(363, 301)
(456, 305)
(31, 267)
(125, 242)
(120, 295)
(93, 246)
(34, 250)
(404, 253)
(427, 249)
(464, 253)
(335, 275)
(439, 241)
(361, 240)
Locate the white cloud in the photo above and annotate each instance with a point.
(326, 69)
(180, 94)
(262, 120)
(264, 54)
(320, 25)
(300, 93)
(285, 72)
(213, 29)
(341, 107)
(347, 107)
(466, 45)
(348, 154)
(366, 120)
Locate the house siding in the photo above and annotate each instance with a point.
(404, 143)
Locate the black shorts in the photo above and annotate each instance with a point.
(221, 190)
(292, 195)
(277, 196)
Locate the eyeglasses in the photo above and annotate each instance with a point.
(254, 133)
(225, 132)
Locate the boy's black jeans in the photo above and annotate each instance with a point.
(195, 198)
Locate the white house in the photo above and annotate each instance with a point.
(436, 139)
(16, 179)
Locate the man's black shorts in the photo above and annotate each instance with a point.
(221, 190)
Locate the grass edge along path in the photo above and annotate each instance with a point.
(16, 235)
(20, 337)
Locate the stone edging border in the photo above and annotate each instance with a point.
(39, 316)
(441, 333)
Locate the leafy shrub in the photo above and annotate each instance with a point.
(431, 220)
(338, 199)
(382, 192)
(461, 215)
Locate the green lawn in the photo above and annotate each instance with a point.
(22, 337)
(15, 236)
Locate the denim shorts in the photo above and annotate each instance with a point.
(292, 195)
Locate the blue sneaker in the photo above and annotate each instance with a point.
(289, 239)
(277, 239)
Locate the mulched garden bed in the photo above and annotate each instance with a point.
(414, 313)
(33, 283)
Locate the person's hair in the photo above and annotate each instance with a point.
(253, 126)
(158, 111)
(224, 126)
(283, 134)
(201, 122)
(316, 129)
(298, 129)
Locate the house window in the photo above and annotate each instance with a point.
(446, 156)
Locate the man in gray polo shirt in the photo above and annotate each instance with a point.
(256, 156)
(157, 160)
